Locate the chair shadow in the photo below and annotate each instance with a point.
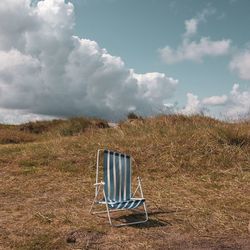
(149, 224)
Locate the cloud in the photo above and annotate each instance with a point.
(46, 70)
(16, 116)
(193, 106)
(155, 85)
(190, 50)
(215, 100)
(241, 64)
(239, 104)
(235, 105)
(195, 51)
(191, 25)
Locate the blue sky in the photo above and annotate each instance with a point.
(105, 58)
(135, 30)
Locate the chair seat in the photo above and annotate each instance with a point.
(129, 204)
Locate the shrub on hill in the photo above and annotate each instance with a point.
(10, 136)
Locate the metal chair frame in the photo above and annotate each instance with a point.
(100, 184)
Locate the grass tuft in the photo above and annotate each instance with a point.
(233, 137)
(11, 136)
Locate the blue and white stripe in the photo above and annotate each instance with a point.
(117, 178)
(130, 204)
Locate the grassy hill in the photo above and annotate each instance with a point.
(195, 173)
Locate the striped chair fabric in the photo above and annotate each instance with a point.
(117, 178)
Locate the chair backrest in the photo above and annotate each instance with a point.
(117, 176)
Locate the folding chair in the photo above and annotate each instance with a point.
(116, 187)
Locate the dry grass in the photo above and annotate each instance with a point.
(195, 170)
(10, 135)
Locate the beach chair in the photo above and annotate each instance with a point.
(115, 189)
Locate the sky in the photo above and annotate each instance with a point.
(105, 58)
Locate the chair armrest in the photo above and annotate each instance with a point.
(139, 186)
(138, 178)
(99, 183)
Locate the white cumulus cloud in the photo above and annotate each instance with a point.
(18, 116)
(241, 64)
(215, 100)
(239, 105)
(191, 50)
(46, 70)
(193, 106)
(235, 105)
(195, 51)
(191, 26)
